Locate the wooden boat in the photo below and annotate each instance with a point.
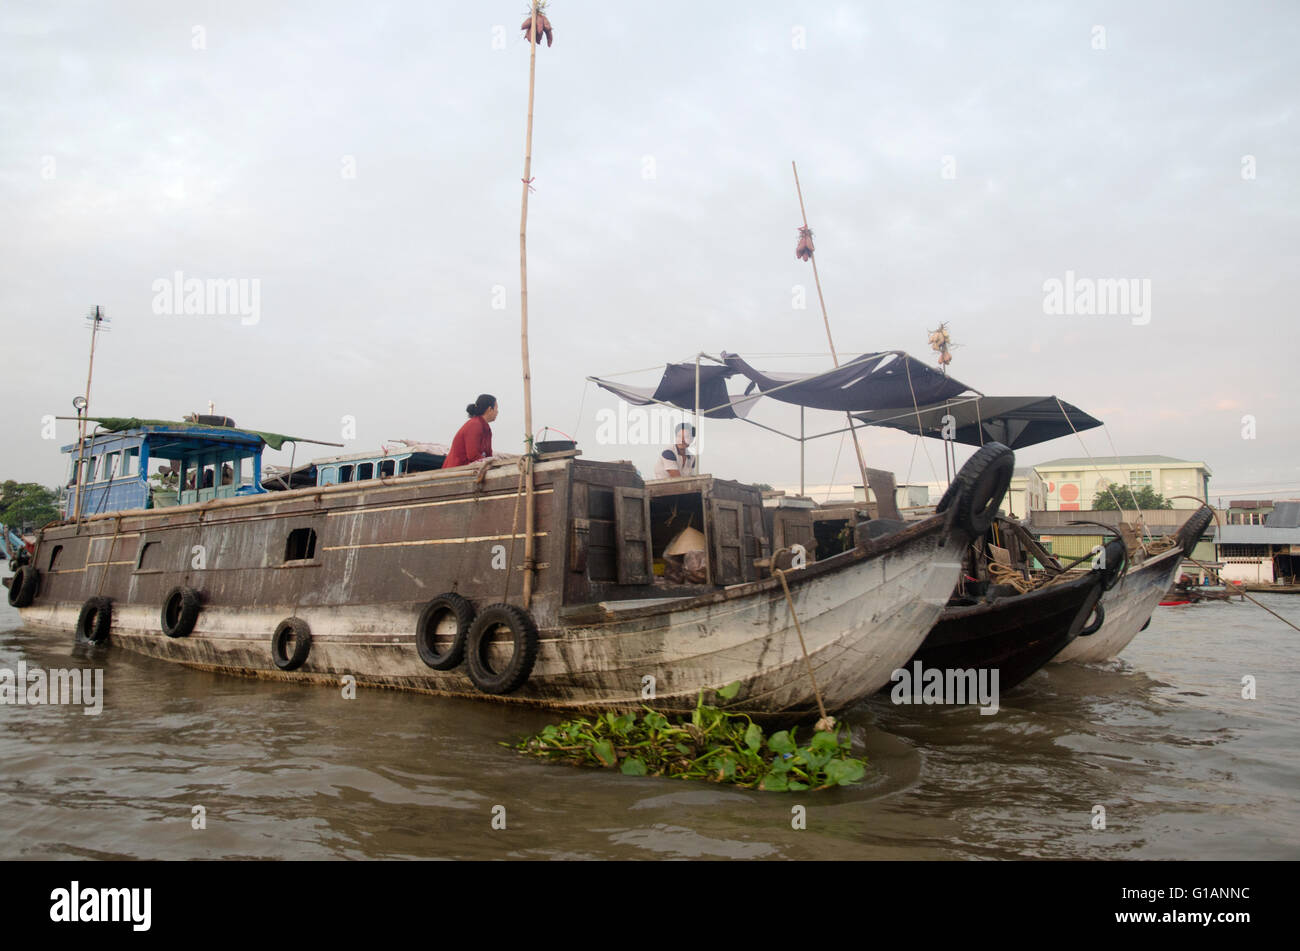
(411, 581)
(1018, 633)
(1128, 606)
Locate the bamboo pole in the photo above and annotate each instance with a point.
(530, 502)
(857, 447)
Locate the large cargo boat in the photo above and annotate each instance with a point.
(414, 581)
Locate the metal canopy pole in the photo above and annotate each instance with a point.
(697, 439)
(801, 450)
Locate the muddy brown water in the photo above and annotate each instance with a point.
(1162, 739)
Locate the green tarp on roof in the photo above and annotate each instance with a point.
(117, 424)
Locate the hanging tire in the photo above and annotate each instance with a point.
(1194, 527)
(1098, 619)
(293, 630)
(23, 585)
(980, 486)
(442, 609)
(95, 619)
(482, 635)
(1116, 563)
(180, 611)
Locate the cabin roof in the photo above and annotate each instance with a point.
(151, 427)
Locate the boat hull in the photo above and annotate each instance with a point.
(1128, 608)
(1016, 635)
(863, 613)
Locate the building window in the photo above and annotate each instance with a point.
(1139, 478)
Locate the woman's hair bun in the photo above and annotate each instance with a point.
(470, 409)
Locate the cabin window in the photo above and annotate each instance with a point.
(150, 557)
(54, 558)
(110, 465)
(329, 475)
(365, 471)
(130, 462)
(301, 545)
(345, 473)
(92, 466)
(404, 465)
(387, 468)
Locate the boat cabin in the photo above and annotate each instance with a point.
(153, 466)
(353, 467)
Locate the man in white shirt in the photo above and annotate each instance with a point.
(676, 461)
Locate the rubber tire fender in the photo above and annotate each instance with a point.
(1099, 618)
(301, 633)
(979, 488)
(187, 606)
(1116, 563)
(1194, 527)
(95, 619)
(523, 633)
(23, 586)
(449, 603)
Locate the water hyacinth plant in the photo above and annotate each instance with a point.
(712, 745)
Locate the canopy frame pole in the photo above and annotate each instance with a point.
(812, 257)
(802, 441)
(697, 440)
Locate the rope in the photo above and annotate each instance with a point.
(1217, 577)
(826, 722)
(1115, 451)
(514, 526)
(834, 470)
(1096, 466)
(112, 547)
(933, 471)
(577, 426)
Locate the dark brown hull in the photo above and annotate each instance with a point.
(1016, 635)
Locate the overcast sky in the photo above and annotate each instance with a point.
(362, 163)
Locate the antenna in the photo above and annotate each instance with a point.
(98, 322)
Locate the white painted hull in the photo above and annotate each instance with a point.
(1128, 607)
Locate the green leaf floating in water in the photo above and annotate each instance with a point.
(711, 744)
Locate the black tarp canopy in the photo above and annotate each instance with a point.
(677, 387)
(1015, 421)
(872, 381)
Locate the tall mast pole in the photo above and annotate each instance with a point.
(530, 503)
(812, 257)
(95, 320)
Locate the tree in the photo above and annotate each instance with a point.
(25, 504)
(1145, 498)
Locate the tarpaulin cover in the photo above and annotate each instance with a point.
(872, 381)
(1015, 421)
(677, 386)
(118, 424)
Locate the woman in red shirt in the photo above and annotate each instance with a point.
(474, 440)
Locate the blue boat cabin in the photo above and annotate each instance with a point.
(354, 467)
(159, 466)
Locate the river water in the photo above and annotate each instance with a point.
(1161, 739)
